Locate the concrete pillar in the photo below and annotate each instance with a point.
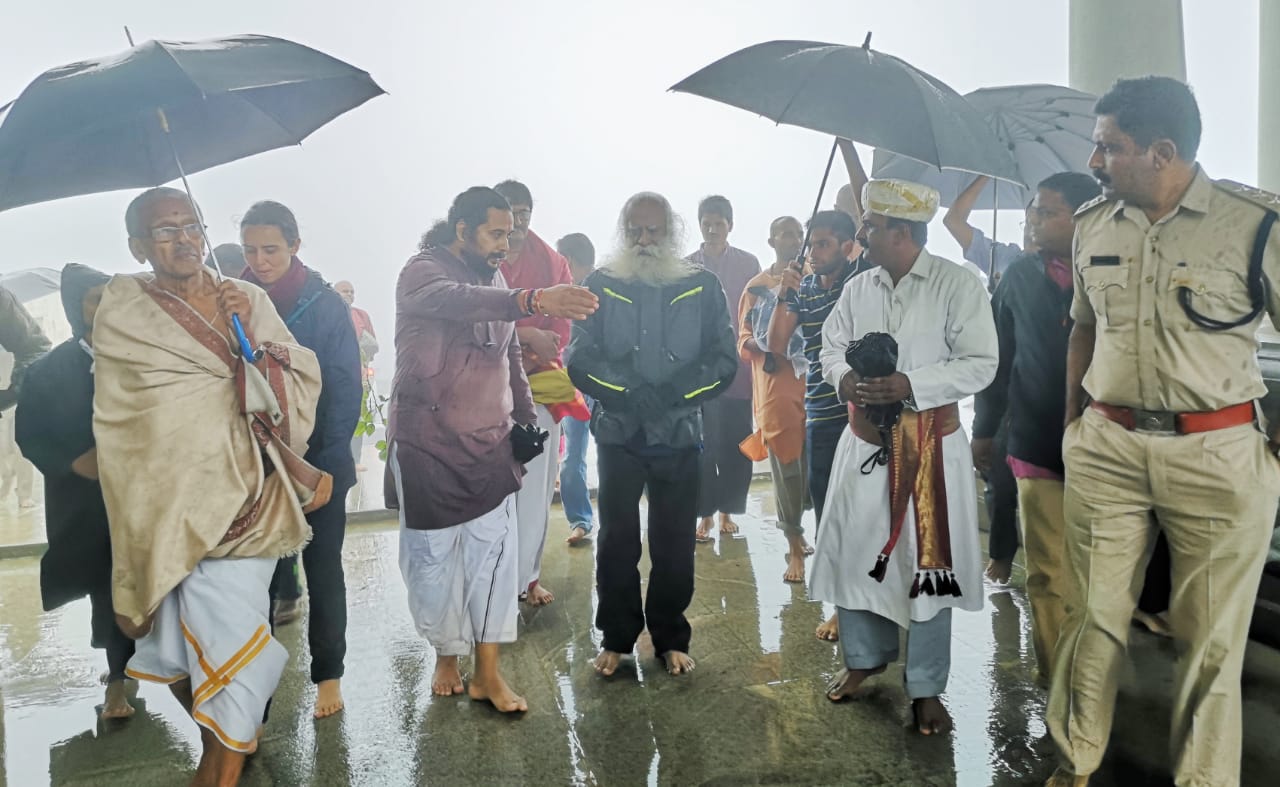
(1269, 95)
(1111, 40)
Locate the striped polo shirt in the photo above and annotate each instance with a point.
(813, 304)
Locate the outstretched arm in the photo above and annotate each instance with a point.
(957, 218)
(857, 175)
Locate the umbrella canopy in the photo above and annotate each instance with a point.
(860, 94)
(93, 126)
(1048, 129)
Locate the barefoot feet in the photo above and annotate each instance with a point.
(257, 740)
(538, 596)
(795, 567)
(727, 526)
(678, 663)
(931, 716)
(447, 680)
(494, 690)
(577, 536)
(999, 571)
(703, 534)
(848, 681)
(829, 631)
(116, 704)
(607, 663)
(329, 697)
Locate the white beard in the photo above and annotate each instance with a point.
(652, 266)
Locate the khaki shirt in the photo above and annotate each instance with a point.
(1128, 271)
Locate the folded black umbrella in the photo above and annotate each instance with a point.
(876, 355)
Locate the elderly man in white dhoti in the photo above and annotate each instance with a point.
(898, 543)
(203, 490)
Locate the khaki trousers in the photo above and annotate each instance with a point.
(790, 492)
(1044, 545)
(1214, 495)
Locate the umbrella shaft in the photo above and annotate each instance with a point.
(790, 295)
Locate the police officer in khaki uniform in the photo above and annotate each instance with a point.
(1162, 382)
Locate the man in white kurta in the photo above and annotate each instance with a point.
(939, 315)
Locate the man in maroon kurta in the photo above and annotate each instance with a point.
(460, 429)
(726, 472)
(530, 264)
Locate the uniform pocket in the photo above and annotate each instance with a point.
(1212, 292)
(1106, 288)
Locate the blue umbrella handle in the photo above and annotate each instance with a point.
(245, 348)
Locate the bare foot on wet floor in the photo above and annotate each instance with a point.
(727, 526)
(678, 663)
(931, 716)
(496, 692)
(328, 698)
(538, 596)
(577, 536)
(829, 631)
(703, 534)
(257, 740)
(116, 704)
(607, 663)
(447, 680)
(808, 548)
(847, 681)
(795, 567)
(999, 571)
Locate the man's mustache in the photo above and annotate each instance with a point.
(1102, 177)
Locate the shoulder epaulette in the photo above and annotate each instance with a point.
(1090, 205)
(1263, 199)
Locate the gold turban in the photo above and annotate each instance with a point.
(901, 199)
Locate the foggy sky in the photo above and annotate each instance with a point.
(568, 96)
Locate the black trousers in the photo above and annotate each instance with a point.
(1002, 500)
(326, 588)
(672, 483)
(726, 473)
(106, 634)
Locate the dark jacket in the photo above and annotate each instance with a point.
(321, 322)
(459, 388)
(54, 427)
(1033, 321)
(676, 337)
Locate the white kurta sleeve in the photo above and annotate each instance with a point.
(975, 350)
(837, 332)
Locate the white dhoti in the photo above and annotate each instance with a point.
(213, 628)
(855, 525)
(462, 580)
(533, 501)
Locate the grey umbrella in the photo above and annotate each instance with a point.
(1046, 128)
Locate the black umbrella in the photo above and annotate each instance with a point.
(859, 94)
(93, 126)
(163, 109)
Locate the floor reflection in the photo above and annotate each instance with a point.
(753, 712)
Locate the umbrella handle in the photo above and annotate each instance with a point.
(791, 296)
(245, 348)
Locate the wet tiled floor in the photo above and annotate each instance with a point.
(752, 713)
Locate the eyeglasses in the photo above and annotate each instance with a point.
(171, 234)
